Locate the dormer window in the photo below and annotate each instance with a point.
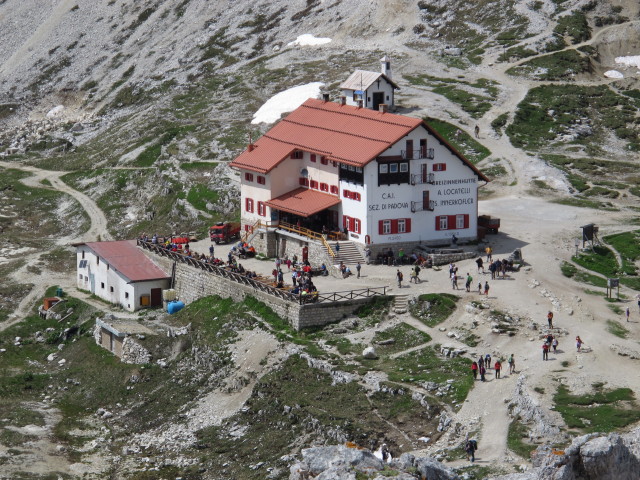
(297, 154)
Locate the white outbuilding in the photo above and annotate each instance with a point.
(120, 273)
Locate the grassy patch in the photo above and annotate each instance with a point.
(600, 260)
(517, 439)
(617, 329)
(562, 65)
(464, 143)
(404, 337)
(627, 244)
(581, 202)
(571, 271)
(602, 411)
(434, 308)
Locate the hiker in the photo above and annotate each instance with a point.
(479, 288)
(384, 450)
(545, 351)
(627, 312)
(512, 364)
(486, 288)
(474, 370)
(211, 251)
(481, 361)
(414, 276)
(554, 344)
(578, 343)
(477, 131)
(454, 281)
(489, 252)
(367, 255)
(480, 264)
(358, 267)
(487, 361)
(399, 277)
(470, 448)
(483, 371)
(497, 367)
(550, 319)
(638, 299)
(454, 240)
(337, 249)
(468, 283)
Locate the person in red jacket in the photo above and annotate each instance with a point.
(474, 369)
(497, 367)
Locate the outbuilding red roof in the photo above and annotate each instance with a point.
(303, 201)
(342, 133)
(125, 257)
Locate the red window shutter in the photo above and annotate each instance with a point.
(357, 222)
(344, 221)
(438, 223)
(293, 154)
(380, 227)
(466, 221)
(314, 184)
(357, 196)
(451, 222)
(335, 189)
(407, 223)
(313, 157)
(394, 226)
(301, 180)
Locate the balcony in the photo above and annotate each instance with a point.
(423, 206)
(427, 153)
(418, 178)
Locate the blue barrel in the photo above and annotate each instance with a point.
(175, 306)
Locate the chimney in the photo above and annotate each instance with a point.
(360, 103)
(385, 66)
(343, 100)
(250, 147)
(383, 108)
(325, 97)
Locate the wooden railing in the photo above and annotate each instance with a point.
(315, 297)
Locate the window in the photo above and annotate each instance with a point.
(409, 150)
(83, 264)
(80, 276)
(393, 168)
(356, 225)
(299, 154)
(248, 177)
(304, 182)
(262, 209)
(452, 222)
(386, 226)
(384, 168)
(335, 190)
(423, 148)
(324, 161)
(443, 222)
(324, 187)
(83, 254)
(314, 184)
(126, 294)
(459, 221)
(313, 158)
(346, 194)
(351, 224)
(97, 260)
(101, 284)
(402, 226)
(439, 167)
(249, 205)
(111, 289)
(404, 167)
(261, 180)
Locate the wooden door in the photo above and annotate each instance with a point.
(156, 297)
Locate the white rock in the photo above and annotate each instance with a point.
(369, 353)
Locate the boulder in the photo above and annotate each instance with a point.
(370, 353)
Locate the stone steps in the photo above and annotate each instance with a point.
(401, 303)
(349, 253)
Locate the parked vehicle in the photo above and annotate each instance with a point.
(224, 232)
(492, 224)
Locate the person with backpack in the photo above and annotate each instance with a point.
(358, 268)
(399, 277)
(483, 371)
(470, 448)
(512, 364)
(497, 367)
(545, 351)
(474, 370)
(468, 282)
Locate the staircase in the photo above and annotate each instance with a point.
(401, 303)
(349, 253)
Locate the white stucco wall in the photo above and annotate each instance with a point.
(98, 278)
(385, 87)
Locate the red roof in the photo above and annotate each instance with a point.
(303, 202)
(343, 133)
(126, 258)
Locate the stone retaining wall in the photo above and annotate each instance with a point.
(192, 283)
(444, 259)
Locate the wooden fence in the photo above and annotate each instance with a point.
(263, 287)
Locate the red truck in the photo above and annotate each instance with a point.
(492, 224)
(224, 232)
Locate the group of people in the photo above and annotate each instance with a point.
(483, 364)
(550, 342)
(453, 276)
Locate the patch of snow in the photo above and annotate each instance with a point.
(308, 40)
(613, 74)
(630, 61)
(55, 111)
(286, 101)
